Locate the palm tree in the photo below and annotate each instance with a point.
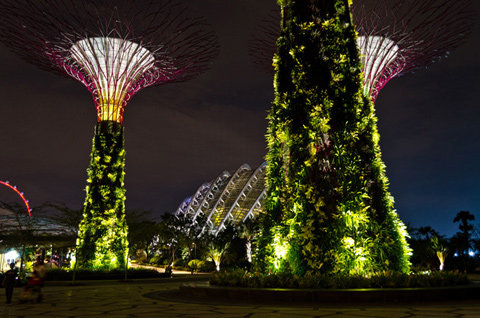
(465, 234)
(248, 231)
(464, 217)
(216, 251)
(440, 250)
(427, 231)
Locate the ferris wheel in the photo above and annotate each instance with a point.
(14, 188)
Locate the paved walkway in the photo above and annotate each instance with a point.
(119, 299)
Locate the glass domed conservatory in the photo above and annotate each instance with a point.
(229, 197)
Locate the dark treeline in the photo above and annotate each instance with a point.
(183, 242)
(433, 251)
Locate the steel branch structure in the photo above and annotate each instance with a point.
(394, 36)
(115, 48)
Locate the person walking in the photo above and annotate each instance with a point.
(41, 271)
(39, 266)
(9, 282)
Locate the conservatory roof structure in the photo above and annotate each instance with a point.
(228, 198)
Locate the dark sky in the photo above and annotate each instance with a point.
(181, 135)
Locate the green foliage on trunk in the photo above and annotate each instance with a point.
(328, 205)
(102, 237)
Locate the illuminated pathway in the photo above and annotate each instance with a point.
(115, 299)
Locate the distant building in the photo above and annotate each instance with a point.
(229, 197)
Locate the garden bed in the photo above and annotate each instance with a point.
(242, 278)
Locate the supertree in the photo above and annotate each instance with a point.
(115, 48)
(395, 37)
(327, 200)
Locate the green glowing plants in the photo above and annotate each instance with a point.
(102, 237)
(242, 278)
(328, 205)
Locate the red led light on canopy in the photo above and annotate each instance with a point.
(20, 194)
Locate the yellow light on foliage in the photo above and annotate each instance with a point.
(280, 246)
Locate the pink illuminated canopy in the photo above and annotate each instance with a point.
(115, 48)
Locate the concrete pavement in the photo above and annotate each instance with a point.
(160, 298)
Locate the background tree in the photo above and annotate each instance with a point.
(476, 246)
(248, 230)
(68, 219)
(191, 238)
(20, 232)
(463, 238)
(182, 235)
(65, 216)
(142, 231)
(427, 232)
(328, 205)
(170, 231)
(423, 256)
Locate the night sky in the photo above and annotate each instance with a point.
(180, 135)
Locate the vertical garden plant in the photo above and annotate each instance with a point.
(328, 205)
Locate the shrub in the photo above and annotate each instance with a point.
(180, 262)
(241, 278)
(194, 265)
(158, 260)
(206, 267)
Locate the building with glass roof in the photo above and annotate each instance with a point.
(230, 197)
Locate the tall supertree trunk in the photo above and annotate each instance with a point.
(328, 206)
(102, 236)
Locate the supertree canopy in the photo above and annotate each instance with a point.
(115, 48)
(394, 36)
